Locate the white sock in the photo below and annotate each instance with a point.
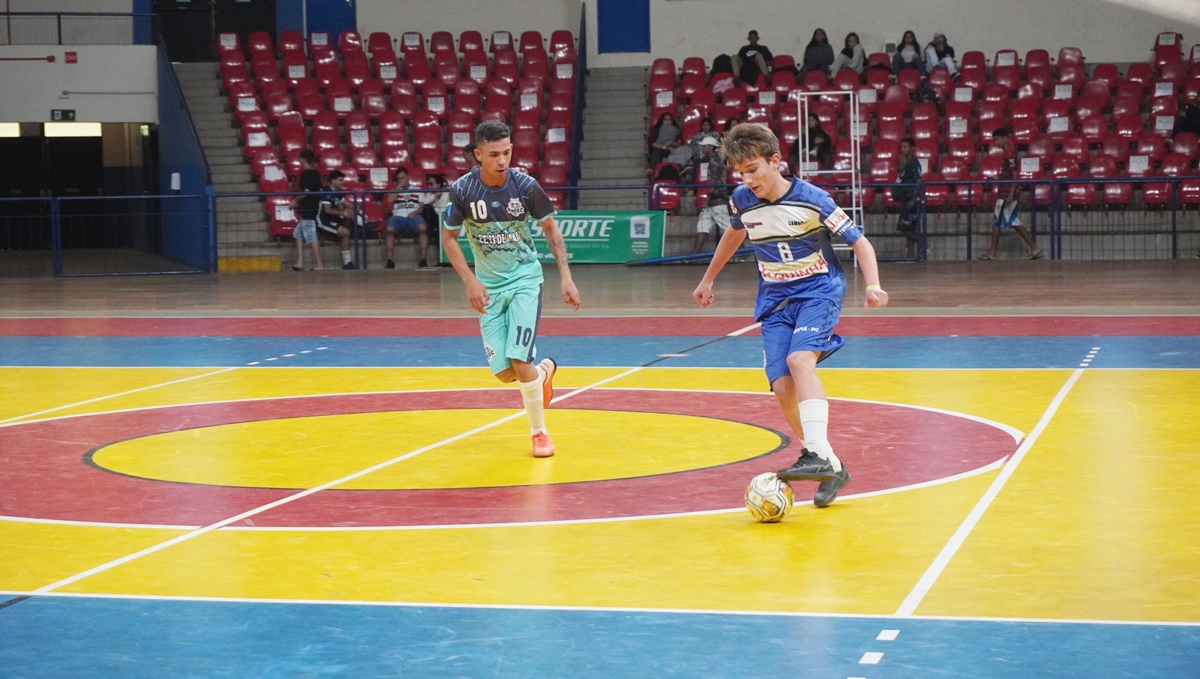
(531, 393)
(814, 417)
(345, 256)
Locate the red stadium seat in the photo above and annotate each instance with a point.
(291, 41)
(1025, 130)
(693, 66)
(1094, 129)
(1161, 193)
(349, 41)
(1187, 145)
(878, 80)
(1116, 147)
(1107, 74)
(1125, 106)
(561, 42)
(371, 99)
(501, 41)
(1129, 127)
(441, 41)
(1140, 73)
(909, 78)
(1168, 49)
(1152, 146)
(470, 41)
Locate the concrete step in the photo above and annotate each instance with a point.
(234, 187)
(597, 153)
(612, 181)
(633, 115)
(215, 154)
(616, 90)
(223, 132)
(635, 134)
(198, 92)
(223, 118)
(630, 165)
(604, 128)
(213, 105)
(243, 204)
(232, 174)
(602, 175)
(239, 217)
(605, 100)
(220, 143)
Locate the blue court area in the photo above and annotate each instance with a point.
(726, 352)
(56, 637)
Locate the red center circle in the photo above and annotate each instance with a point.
(44, 470)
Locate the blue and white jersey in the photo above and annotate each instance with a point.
(792, 243)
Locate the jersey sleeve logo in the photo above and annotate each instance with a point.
(515, 207)
(838, 221)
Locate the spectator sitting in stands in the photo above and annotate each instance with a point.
(818, 55)
(820, 146)
(908, 55)
(752, 61)
(336, 214)
(1189, 121)
(706, 130)
(722, 78)
(433, 205)
(306, 209)
(730, 124)
(663, 137)
(405, 219)
(468, 152)
(708, 169)
(905, 193)
(938, 53)
(851, 56)
(1005, 214)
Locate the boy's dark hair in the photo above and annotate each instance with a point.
(491, 130)
(308, 157)
(336, 174)
(469, 149)
(1000, 132)
(909, 141)
(399, 170)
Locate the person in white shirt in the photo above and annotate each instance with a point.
(405, 220)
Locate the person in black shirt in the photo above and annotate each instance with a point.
(306, 207)
(905, 193)
(752, 61)
(335, 215)
(938, 53)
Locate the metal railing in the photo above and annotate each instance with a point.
(580, 103)
(77, 28)
(1120, 218)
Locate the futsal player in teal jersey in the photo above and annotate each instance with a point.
(498, 207)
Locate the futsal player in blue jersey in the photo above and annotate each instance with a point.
(498, 207)
(801, 286)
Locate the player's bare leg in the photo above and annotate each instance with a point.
(805, 403)
(536, 383)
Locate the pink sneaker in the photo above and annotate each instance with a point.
(549, 367)
(542, 446)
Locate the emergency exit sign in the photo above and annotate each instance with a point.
(62, 115)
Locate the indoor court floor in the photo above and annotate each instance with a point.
(241, 476)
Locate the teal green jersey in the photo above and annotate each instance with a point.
(499, 222)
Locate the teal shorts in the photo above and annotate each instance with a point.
(509, 325)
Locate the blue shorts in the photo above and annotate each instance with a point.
(403, 225)
(803, 325)
(509, 325)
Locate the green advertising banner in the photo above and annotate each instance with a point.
(598, 237)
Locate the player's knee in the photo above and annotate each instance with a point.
(802, 361)
(507, 375)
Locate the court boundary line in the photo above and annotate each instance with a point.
(594, 609)
(12, 420)
(991, 466)
(95, 570)
(929, 578)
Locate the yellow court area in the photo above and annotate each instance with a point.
(1104, 494)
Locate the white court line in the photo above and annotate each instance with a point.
(589, 609)
(512, 524)
(914, 598)
(305, 493)
(123, 393)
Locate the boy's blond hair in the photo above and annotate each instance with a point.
(746, 141)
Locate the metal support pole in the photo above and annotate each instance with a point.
(56, 237)
(970, 218)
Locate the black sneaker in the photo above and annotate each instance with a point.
(809, 467)
(349, 265)
(423, 264)
(390, 265)
(828, 490)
